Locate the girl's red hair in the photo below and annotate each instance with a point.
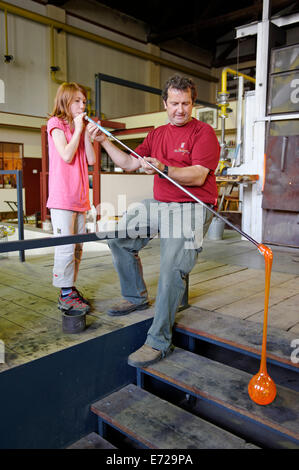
(63, 98)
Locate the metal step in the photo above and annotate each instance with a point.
(91, 441)
(157, 424)
(223, 397)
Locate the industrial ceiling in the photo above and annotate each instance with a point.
(202, 24)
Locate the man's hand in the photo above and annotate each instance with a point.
(148, 169)
(194, 175)
(95, 133)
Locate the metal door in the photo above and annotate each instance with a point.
(281, 190)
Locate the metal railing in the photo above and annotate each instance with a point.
(101, 77)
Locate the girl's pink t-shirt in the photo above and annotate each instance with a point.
(68, 182)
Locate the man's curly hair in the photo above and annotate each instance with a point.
(179, 83)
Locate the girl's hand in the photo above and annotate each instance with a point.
(79, 122)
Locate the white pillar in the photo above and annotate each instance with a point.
(260, 124)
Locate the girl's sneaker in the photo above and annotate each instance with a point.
(72, 301)
(80, 295)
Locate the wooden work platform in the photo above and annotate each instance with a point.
(228, 279)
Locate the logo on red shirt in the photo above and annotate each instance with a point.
(182, 149)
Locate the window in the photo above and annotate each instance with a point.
(10, 159)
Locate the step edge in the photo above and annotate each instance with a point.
(200, 334)
(123, 430)
(95, 435)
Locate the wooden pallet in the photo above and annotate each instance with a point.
(157, 424)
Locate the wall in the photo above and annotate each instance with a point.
(115, 100)
(22, 129)
(28, 75)
(9, 194)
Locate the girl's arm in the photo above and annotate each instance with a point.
(90, 155)
(122, 159)
(68, 150)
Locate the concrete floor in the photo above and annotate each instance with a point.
(228, 278)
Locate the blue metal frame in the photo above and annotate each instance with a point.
(103, 427)
(66, 239)
(19, 178)
(99, 77)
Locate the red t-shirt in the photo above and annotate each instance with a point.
(195, 143)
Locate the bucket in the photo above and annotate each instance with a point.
(216, 229)
(73, 321)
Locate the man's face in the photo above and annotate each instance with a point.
(179, 106)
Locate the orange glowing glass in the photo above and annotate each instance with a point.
(261, 388)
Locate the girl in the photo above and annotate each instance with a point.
(70, 153)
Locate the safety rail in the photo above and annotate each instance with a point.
(68, 239)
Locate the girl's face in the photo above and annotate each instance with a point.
(78, 104)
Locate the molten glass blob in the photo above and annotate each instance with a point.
(261, 388)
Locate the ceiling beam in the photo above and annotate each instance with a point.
(236, 16)
(57, 3)
(229, 48)
(233, 60)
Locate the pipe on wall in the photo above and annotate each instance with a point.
(223, 103)
(7, 57)
(103, 41)
(54, 69)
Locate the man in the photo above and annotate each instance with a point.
(186, 150)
